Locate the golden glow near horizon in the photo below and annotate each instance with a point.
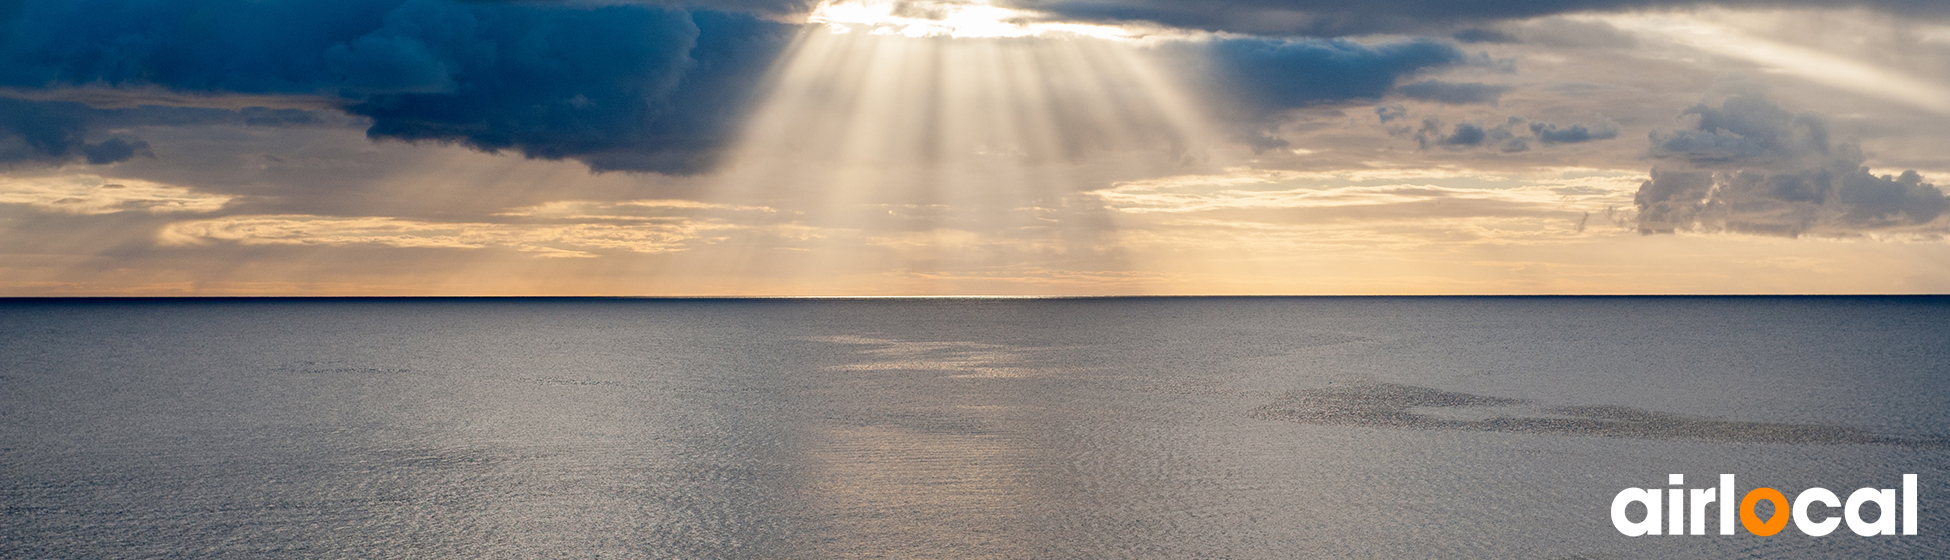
(965, 148)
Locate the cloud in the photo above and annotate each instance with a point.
(1466, 134)
(1549, 133)
(93, 195)
(564, 228)
(58, 132)
(1745, 128)
(1254, 189)
(1876, 60)
(1571, 33)
(1750, 166)
(55, 133)
(1506, 136)
(620, 87)
(1134, 200)
(1292, 214)
(1333, 18)
(113, 150)
(1390, 113)
(1266, 76)
(541, 240)
(1453, 93)
(1477, 35)
(628, 210)
(1471, 135)
(1287, 73)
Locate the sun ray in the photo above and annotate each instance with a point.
(932, 149)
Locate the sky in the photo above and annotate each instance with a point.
(973, 147)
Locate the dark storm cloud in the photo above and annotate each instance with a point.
(1750, 166)
(1331, 18)
(261, 116)
(1265, 76)
(621, 87)
(766, 7)
(1280, 73)
(58, 132)
(54, 133)
(1453, 93)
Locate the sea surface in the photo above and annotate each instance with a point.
(952, 428)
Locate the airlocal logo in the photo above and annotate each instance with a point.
(1677, 514)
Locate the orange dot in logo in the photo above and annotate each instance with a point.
(1775, 522)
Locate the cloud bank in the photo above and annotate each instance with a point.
(1750, 166)
(620, 87)
(1453, 93)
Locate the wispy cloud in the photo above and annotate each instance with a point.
(1261, 189)
(92, 194)
(647, 209)
(543, 240)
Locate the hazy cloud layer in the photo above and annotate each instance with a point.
(625, 87)
(1750, 166)
(1400, 208)
(1453, 93)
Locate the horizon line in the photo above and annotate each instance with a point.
(6, 298)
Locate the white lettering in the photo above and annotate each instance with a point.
(1909, 504)
(1810, 526)
(1648, 526)
(1885, 523)
(1701, 497)
(1727, 503)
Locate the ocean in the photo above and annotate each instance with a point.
(1465, 427)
